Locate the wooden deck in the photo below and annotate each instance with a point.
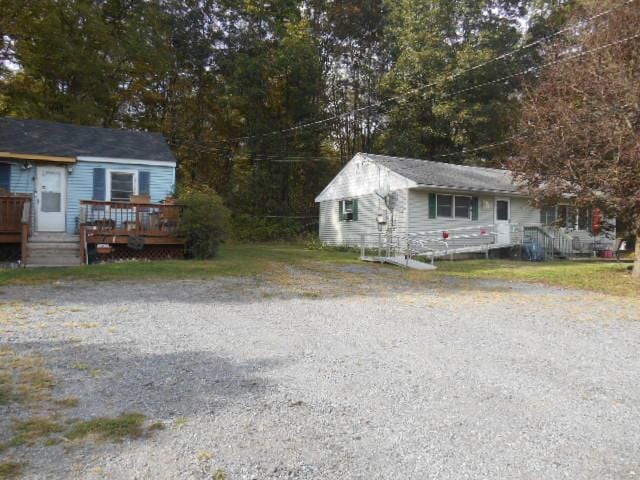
(119, 229)
(15, 221)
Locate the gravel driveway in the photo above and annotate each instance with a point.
(360, 374)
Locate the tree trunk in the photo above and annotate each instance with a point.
(635, 273)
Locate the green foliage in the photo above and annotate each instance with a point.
(204, 222)
(9, 470)
(28, 431)
(248, 228)
(435, 41)
(127, 425)
(207, 74)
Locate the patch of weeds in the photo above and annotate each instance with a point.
(311, 294)
(80, 366)
(219, 475)
(28, 431)
(205, 456)
(10, 470)
(68, 402)
(181, 422)
(6, 394)
(24, 378)
(50, 442)
(34, 382)
(156, 426)
(127, 425)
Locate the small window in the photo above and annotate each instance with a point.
(445, 206)
(548, 216)
(502, 210)
(584, 219)
(463, 207)
(122, 186)
(348, 210)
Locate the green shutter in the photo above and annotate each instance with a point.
(340, 210)
(474, 208)
(432, 205)
(355, 209)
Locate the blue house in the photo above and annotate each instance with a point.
(61, 185)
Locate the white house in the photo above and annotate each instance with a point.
(424, 199)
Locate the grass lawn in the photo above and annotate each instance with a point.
(605, 277)
(233, 260)
(246, 260)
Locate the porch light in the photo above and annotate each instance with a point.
(70, 169)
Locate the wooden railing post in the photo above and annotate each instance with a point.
(25, 222)
(83, 243)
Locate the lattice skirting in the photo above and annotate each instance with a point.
(10, 252)
(149, 252)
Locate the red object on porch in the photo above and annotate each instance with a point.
(445, 235)
(484, 232)
(596, 221)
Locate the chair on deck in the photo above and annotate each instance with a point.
(169, 217)
(143, 213)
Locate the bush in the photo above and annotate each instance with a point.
(204, 222)
(247, 228)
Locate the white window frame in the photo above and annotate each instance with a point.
(127, 172)
(469, 213)
(508, 200)
(453, 206)
(345, 211)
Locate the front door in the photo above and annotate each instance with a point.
(51, 198)
(503, 220)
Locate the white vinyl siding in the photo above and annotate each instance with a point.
(337, 233)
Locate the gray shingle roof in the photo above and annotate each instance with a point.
(458, 177)
(38, 137)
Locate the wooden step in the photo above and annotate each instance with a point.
(53, 250)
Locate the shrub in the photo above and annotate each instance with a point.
(204, 222)
(248, 228)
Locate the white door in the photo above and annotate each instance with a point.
(51, 198)
(503, 220)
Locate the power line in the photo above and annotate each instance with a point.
(452, 76)
(292, 159)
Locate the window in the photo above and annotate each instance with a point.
(502, 210)
(122, 185)
(444, 206)
(559, 216)
(463, 207)
(348, 210)
(584, 219)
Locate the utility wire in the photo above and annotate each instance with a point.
(452, 76)
(207, 149)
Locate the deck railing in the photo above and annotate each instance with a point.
(128, 218)
(12, 208)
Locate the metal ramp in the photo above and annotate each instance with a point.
(400, 261)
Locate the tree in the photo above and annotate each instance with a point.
(580, 122)
(433, 40)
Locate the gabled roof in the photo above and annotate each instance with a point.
(447, 175)
(38, 137)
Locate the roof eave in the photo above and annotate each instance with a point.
(469, 189)
(38, 157)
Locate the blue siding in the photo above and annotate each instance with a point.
(80, 184)
(22, 181)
